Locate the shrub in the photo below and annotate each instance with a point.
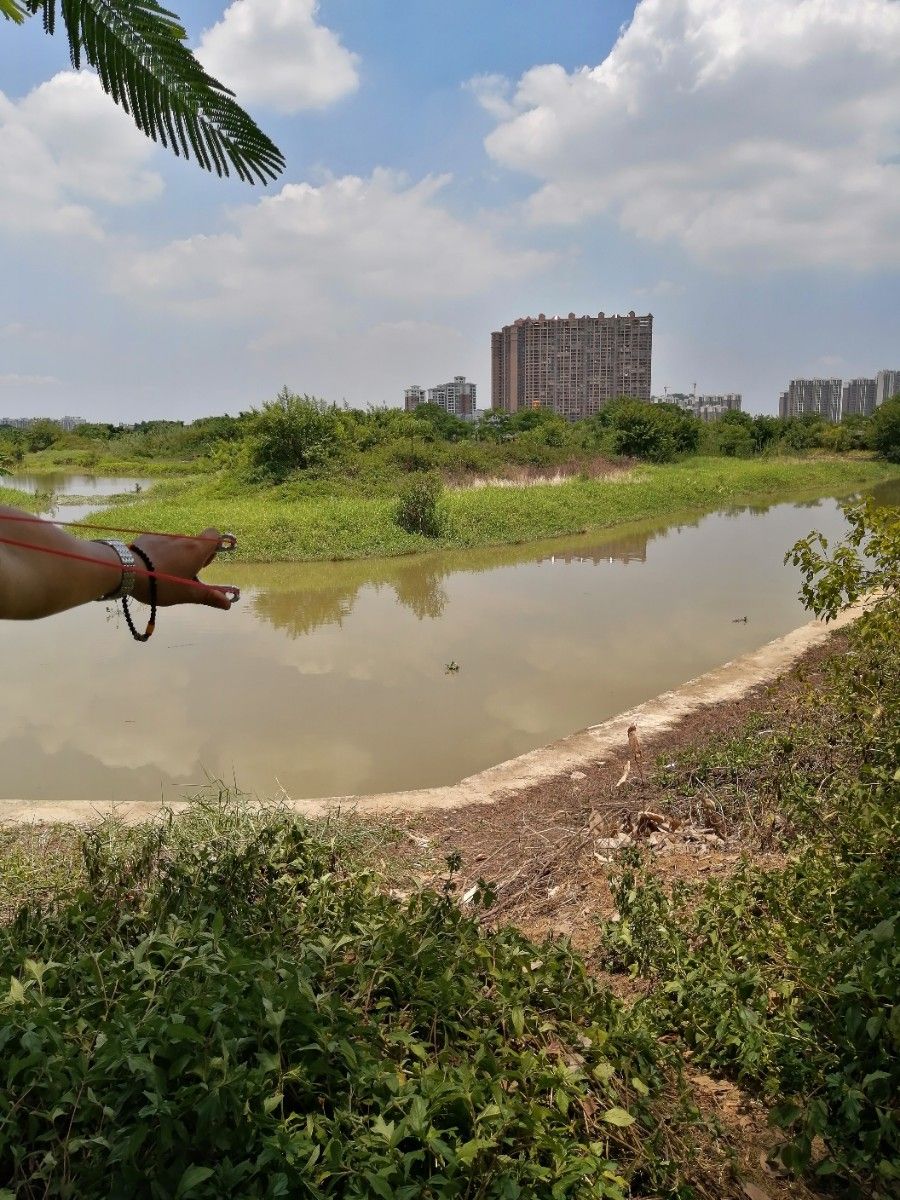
(415, 454)
(471, 458)
(765, 432)
(801, 433)
(43, 434)
(253, 1016)
(292, 433)
(654, 432)
(418, 508)
(734, 441)
(440, 424)
(885, 430)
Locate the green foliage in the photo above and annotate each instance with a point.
(138, 51)
(735, 440)
(418, 507)
(802, 433)
(867, 561)
(655, 432)
(13, 10)
(41, 434)
(885, 430)
(765, 431)
(251, 1015)
(789, 978)
(292, 433)
(441, 424)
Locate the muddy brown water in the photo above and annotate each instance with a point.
(331, 678)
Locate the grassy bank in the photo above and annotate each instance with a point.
(13, 498)
(277, 524)
(89, 462)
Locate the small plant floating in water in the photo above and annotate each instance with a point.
(451, 667)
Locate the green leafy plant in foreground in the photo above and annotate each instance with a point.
(249, 1016)
(789, 978)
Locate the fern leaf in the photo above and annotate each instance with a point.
(12, 10)
(137, 49)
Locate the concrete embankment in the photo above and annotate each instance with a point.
(732, 681)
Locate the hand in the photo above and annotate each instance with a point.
(184, 557)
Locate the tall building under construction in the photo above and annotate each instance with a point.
(572, 365)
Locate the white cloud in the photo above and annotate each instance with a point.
(13, 380)
(751, 133)
(309, 260)
(65, 147)
(494, 94)
(274, 52)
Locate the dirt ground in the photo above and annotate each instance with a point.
(548, 853)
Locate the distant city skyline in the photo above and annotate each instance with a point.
(449, 167)
(834, 398)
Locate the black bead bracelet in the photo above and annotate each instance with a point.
(152, 592)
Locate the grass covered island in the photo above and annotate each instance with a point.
(295, 521)
(299, 479)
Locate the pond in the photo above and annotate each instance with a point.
(330, 678)
(63, 483)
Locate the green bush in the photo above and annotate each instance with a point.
(418, 508)
(885, 430)
(654, 432)
(801, 433)
(292, 433)
(734, 441)
(416, 454)
(255, 1017)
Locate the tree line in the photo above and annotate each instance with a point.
(298, 435)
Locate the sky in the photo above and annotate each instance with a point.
(731, 167)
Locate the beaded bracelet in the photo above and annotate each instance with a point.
(152, 592)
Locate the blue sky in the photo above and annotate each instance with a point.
(732, 168)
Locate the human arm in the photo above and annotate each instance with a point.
(36, 583)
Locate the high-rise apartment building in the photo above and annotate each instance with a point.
(784, 400)
(456, 397)
(858, 398)
(822, 397)
(572, 365)
(413, 397)
(887, 385)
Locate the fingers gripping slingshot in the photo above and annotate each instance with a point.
(136, 562)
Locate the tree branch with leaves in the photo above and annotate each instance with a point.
(138, 50)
